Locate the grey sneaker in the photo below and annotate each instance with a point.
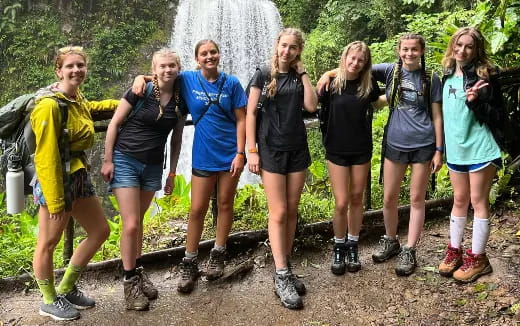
(298, 284)
(406, 261)
(189, 274)
(147, 286)
(353, 264)
(79, 300)
(215, 264)
(338, 259)
(60, 309)
(285, 290)
(134, 296)
(388, 249)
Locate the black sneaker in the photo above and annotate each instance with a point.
(79, 300)
(353, 264)
(189, 274)
(388, 249)
(215, 264)
(60, 309)
(338, 259)
(147, 286)
(298, 284)
(285, 290)
(406, 262)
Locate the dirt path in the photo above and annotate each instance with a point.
(373, 296)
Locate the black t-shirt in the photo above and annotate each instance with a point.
(142, 136)
(282, 127)
(349, 129)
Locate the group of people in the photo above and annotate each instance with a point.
(268, 125)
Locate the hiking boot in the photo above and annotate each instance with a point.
(189, 274)
(406, 261)
(388, 249)
(293, 278)
(452, 261)
(353, 264)
(79, 300)
(148, 288)
(135, 299)
(285, 290)
(60, 309)
(215, 264)
(338, 259)
(474, 266)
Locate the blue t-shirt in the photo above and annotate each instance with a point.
(410, 126)
(215, 139)
(467, 141)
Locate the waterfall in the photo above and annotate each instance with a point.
(244, 30)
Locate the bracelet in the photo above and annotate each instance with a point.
(303, 73)
(171, 175)
(439, 149)
(253, 150)
(243, 154)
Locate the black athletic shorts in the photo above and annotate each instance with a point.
(348, 160)
(419, 155)
(284, 162)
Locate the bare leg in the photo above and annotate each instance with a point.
(393, 176)
(358, 180)
(339, 178)
(227, 186)
(295, 182)
(418, 186)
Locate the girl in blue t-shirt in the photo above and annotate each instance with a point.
(471, 99)
(282, 156)
(216, 102)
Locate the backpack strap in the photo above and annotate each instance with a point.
(65, 154)
(210, 100)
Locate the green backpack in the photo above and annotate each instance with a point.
(18, 141)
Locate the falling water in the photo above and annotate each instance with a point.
(244, 30)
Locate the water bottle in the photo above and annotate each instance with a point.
(14, 190)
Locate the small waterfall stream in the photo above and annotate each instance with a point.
(244, 30)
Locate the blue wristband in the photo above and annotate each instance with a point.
(439, 149)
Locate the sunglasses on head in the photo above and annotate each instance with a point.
(68, 49)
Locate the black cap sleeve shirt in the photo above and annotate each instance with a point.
(143, 136)
(349, 129)
(282, 127)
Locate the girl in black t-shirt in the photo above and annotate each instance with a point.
(134, 148)
(347, 138)
(282, 156)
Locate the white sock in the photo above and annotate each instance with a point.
(480, 235)
(191, 255)
(219, 248)
(354, 238)
(457, 225)
(339, 240)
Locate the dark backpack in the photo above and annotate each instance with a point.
(18, 141)
(509, 81)
(263, 101)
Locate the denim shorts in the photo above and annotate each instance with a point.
(132, 173)
(467, 168)
(81, 187)
(419, 155)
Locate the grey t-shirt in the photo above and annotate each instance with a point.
(410, 125)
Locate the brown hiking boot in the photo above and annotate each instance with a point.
(147, 286)
(452, 261)
(215, 264)
(189, 274)
(134, 296)
(474, 266)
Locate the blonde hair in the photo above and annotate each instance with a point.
(365, 76)
(271, 88)
(65, 51)
(166, 52)
(483, 65)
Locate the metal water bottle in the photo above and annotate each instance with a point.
(14, 190)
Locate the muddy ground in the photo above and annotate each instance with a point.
(373, 296)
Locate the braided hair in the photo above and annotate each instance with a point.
(166, 52)
(275, 70)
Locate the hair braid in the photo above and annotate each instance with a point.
(157, 95)
(271, 88)
(425, 76)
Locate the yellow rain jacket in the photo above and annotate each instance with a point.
(46, 124)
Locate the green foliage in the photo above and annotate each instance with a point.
(302, 14)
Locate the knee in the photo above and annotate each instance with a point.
(479, 202)
(390, 200)
(460, 201)
(278, 217)
(417, 200)
(47, 246)
(356, 199)
(341, 207)
(225, 206)
(101, 233)
(131, 227)
(198, 213)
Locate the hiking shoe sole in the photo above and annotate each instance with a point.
(46, 314)
(296, 305)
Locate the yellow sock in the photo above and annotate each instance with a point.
(70, 277)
